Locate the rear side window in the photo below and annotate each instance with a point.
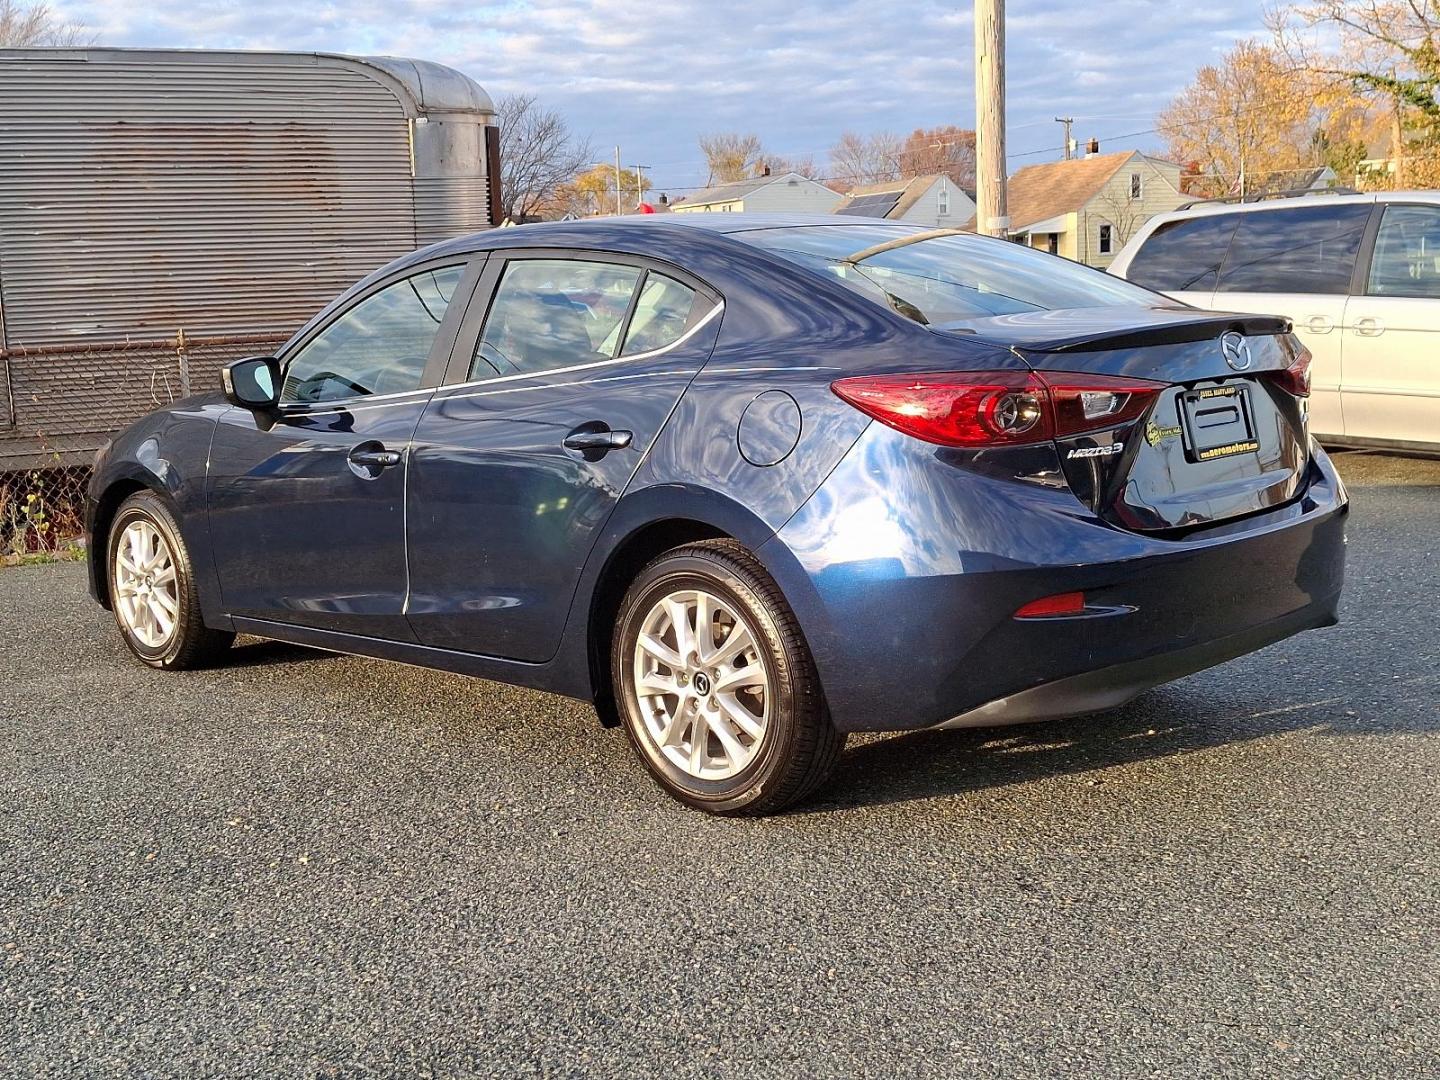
(554, 313)
(1301, 250)
(1181, 255)
(1407, 253)
(660, 316)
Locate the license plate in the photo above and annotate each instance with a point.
(1218, 422)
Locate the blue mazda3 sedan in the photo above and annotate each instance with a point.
(746, 483)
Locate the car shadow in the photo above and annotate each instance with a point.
(928, 765)
(263, 652)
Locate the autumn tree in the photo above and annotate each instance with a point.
(538, 154)
(947, 150)
(593, 191)
(731, 156)
(866, 159)
(36, 24)
(1388, 52)
(1253, 120)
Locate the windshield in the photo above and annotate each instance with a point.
(948, 279)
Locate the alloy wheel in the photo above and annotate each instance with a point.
(147, 592)
(703, 689)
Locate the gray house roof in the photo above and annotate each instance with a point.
(736, 189)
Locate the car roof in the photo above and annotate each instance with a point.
(658, 235)
(1219, 207)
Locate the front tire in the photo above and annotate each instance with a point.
(152, 589)
(716, 686)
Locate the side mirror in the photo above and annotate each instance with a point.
(252, 383)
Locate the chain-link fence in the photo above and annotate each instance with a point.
(58, 405)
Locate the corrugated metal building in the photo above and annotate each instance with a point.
(164, 210)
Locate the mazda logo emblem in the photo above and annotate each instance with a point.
(1236, 351)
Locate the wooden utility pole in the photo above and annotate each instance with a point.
(991, 211)
(1066, 122)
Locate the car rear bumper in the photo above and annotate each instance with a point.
(907, 592)
(1109, 687)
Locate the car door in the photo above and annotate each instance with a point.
(561, 385)
(1299, 261)
(306, 501)
(1391, 388)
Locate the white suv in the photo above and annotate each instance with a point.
(1358, 274)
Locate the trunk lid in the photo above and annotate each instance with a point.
(1222, 440)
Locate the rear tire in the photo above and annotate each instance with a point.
(716, 686)
(152, 589)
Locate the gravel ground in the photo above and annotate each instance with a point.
(304, 864)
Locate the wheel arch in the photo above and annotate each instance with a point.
(628, 557)
(107, 505)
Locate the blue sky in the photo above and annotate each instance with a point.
(653, 75)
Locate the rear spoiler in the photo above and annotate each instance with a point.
(1098, 329)
(1174, 333)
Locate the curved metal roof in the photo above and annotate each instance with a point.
(423, 87)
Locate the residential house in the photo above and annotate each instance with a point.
(788, 193)
(1086, 208)
(935, 200)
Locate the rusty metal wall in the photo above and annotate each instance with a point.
(136, 198)
(227, 194)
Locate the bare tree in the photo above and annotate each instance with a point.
(1121, 212)
(947, 150)
(804, 165)
(866, 159)
(538, 153)
(731, 156)
(37, 24)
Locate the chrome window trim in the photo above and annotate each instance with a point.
(686, 336)
(351, 404)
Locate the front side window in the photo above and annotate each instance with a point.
(1407, 253)
(946, 278)
(379, 346)
(1185, 254)
(944, 201)
(661, 315)
(1107, 239)
(1296, 250)
(554, 313)
(1134, 186)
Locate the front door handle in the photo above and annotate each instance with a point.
(1369, 327)
(1319, 324)
(595, 440)
(374, 458)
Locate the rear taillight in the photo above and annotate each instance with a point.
(1295, 379)
(998, 408)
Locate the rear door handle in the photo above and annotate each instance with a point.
(1319, 324)
(1369, 327)
(588, 440)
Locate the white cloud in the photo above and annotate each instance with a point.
(652, 76)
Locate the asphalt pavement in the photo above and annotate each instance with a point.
(303, 864)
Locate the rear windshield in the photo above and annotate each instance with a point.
(948, 278)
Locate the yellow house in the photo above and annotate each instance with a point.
(1085, 209)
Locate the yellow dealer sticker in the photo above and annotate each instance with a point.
(1228, 450)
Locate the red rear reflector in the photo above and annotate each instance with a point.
(998, 408)
(1065, 603)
